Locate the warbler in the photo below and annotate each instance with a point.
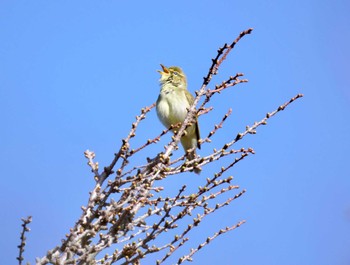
(172, 107)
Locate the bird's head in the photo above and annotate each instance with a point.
(173, 75)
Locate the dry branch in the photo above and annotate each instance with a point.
(128, 210)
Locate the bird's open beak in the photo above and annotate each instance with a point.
(165, 70)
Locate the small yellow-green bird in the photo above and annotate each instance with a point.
(172, 106)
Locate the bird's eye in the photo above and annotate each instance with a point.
(175, 73)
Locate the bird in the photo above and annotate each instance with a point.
(172, 106)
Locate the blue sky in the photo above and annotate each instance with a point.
(74, 74)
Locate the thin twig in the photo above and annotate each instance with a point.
(25, 229)
(207, 241)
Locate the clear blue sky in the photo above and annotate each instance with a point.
(73, 75)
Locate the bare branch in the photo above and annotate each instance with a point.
(129, 212)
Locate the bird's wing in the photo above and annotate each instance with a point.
(190, 100)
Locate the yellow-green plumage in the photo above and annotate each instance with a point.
(172, 106)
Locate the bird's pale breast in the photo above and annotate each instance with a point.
(172, 107)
